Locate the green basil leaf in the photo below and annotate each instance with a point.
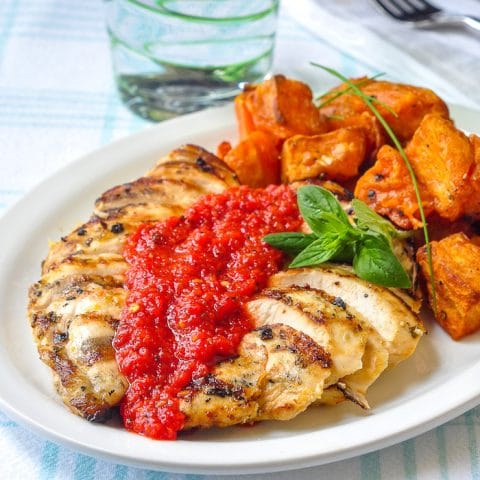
(326, 223)
(345, 254)
(291, 242)
(367, 219)
(313, 200)
(319, 251)
(375, 262)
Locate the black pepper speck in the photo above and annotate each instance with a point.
(117, 228)
(339, 302)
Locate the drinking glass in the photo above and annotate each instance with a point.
(172, 57)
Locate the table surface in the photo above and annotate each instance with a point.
(58, 102)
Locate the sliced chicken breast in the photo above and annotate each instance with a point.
(357, 351)
(278, 373)
(333, 328)
(393, 319)
(354, 387)
(351, 385)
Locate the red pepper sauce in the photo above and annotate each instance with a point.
(187, 280)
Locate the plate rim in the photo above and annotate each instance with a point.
(201, 123)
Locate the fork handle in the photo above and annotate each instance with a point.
(472, 22)
(448, 19)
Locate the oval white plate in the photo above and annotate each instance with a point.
(438, 383)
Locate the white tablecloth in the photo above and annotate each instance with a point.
(58, 102)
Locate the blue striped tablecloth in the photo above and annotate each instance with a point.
(58, 102)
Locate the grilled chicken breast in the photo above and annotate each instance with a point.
(333, 328)
(278, 373)
(355, 351)
(75, 306)
(321, 335)
(385, 309)
(347, 327)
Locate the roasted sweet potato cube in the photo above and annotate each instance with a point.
(388, 189)
(442, 158)
(439, 228)
(374, 132)
(244, 117)
(336, 155)
(346, 104)
(472, 203)
(406, 105)
(456, 268)
(255, 160)
(282, 107)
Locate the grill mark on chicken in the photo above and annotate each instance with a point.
(120, 201)
(182, 173)
(67, 380)
(69, 289)
(42, 323)
(75, 307)
(318, 314)
(64, 368)
(211, 385)
(190, 154)
(375, 355)
(96, 238)
(111, 265)
(85, 405)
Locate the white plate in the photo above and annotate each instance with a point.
(438, 383)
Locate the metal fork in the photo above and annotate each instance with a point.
(425, 15)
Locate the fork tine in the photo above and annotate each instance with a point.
(424, 15)
(419, 9)
(407, 10)
(391, 8)
(424, 6)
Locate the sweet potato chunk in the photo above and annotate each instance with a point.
(442, 158)
(337, 155)
(255, 160)
(409, 104)
(439, 228)
(280, 106)
(456, 268)
(374, 132)
(388, 189)
(244, 117)
(472, 203)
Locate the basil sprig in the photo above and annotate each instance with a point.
(367, 244)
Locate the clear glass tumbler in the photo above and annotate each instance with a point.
(172, 57)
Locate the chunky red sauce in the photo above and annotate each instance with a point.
(187, 280)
